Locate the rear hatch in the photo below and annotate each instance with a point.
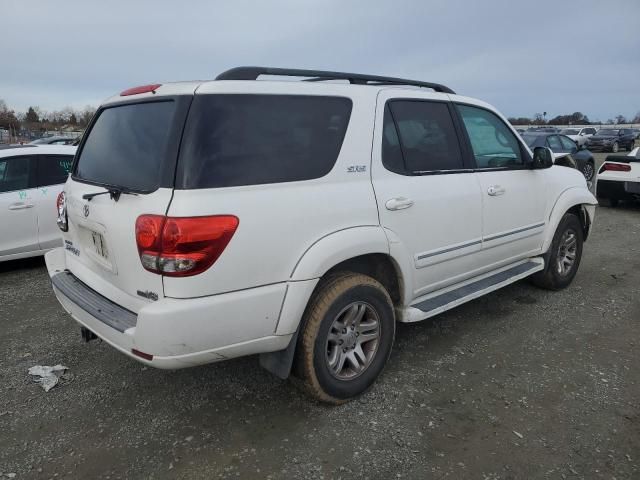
(128, 157)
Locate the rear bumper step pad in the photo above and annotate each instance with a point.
(93, 303)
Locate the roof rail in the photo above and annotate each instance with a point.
(252, 73)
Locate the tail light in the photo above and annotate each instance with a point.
(615, 167)
(61, 208)
(182, 246)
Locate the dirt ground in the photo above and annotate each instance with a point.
(522, 383)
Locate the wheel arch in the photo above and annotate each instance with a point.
(578, 201)
(360, 250)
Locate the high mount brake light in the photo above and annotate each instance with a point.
(141, 89)
(182, 246)
(615, 167)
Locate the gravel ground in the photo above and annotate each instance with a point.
(522, 383)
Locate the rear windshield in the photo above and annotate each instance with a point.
(233, 140)
(126, 146)
(530, 139)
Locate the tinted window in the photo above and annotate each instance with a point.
(127, 145)
(14, 173)
(428, 140)
(392, 157)
(493, 143)
(233, 140)
(53, 169)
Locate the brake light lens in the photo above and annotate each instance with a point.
(182, 246)
(61, 208)
(615, 167)
(141, 89)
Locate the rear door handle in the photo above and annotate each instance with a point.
(20, 206)
(495, 190)
(398, 203)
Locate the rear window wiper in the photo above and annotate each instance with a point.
(114, 193)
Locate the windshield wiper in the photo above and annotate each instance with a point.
(114, 193)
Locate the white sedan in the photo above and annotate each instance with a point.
(619, 178)
(579, 135)
(31, 177)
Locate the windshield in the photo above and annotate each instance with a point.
(607, 131)
(569, 131)
(126, 146)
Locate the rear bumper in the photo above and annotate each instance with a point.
(178, 333)
(617, 189)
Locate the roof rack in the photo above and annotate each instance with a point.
(252, 73)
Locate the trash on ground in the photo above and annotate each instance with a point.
(49, 376)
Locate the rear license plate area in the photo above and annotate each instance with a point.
(100, 245)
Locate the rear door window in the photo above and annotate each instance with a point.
(127, 145)
(15, 173)
(419, 136)
(236, 139)
(53, 169)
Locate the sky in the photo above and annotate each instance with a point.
(524, 57)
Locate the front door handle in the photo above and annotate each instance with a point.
(495, 190)
(398, 203)
(20, 206)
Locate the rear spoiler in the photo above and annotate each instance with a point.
(633, 156)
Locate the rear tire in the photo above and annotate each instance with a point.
(334, 359)
(588, 170)
(563, 258)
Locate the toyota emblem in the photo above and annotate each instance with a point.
(85, 210)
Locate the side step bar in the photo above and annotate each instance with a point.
(442, 300)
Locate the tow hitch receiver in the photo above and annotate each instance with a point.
(87, 335)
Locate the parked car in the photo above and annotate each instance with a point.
(301, 220)
(58, 140)
(31, 177)
(543, 129)
(612, 140)
(619, 178)
(562, 145)
(636, 131)
(578, 135)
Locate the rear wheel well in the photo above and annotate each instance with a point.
(379, 266)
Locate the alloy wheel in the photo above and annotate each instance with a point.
(353, 340)
(566, 255)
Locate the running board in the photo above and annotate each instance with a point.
(450, 297)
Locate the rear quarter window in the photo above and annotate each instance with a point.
(237, 139)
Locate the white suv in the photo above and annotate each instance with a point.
(300, 220)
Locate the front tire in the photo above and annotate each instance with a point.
(349, 328)
(563, 258)
(615, 148)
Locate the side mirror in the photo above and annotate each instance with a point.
(542, 158)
